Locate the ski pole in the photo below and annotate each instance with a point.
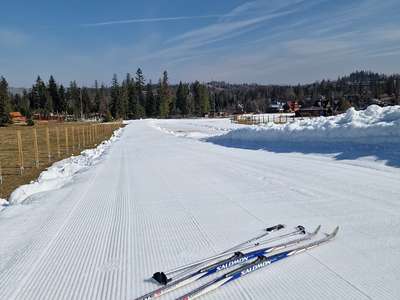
(162, 277)
(252, 253)
(237, 259)
(261, 262)
(269, 230)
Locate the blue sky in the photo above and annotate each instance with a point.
(276, 41)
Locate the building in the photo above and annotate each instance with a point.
(17, 118)
(292, 106)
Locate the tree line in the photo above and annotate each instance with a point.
(359, 89)
(134, 98)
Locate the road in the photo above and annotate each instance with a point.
(158, 200)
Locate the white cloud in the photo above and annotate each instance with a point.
(150, 20)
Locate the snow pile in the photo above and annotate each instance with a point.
(61, 172)
(194, 128)
(3, 204)
(373, 126)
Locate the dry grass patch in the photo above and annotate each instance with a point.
(26, 151)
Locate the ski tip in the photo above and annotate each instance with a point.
(161, 278)
(317, 230)
(333, 233)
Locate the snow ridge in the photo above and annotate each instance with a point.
(373, 126)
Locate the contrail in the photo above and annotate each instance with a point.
(149, 20)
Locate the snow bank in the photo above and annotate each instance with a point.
(373, 126)
(61, 172)
(3, 204)
(194, 128)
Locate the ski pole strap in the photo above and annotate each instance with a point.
(301, 229)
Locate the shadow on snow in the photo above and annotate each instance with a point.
(389, 153)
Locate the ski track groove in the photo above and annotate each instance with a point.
(26, 252)
(66, 265)
(45, 251)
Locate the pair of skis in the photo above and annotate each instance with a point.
(162, 277)
(251, 261)
(261, 262)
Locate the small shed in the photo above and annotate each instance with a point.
(17, 117)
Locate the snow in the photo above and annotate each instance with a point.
(62, 172)
(168, 192)
(3, 204)
(375, 125)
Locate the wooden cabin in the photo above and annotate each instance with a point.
(17, 118)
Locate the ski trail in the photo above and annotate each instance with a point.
(157, 201)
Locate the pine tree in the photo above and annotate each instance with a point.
(86, 102)
(165, 96)
(53, 92)
(62, 99)
(140, 86)
(133, 102)
(130, 100)
(25, 105)
(201, 99)
(48, 104)
(151, 103)
(74, 99)
(125, 93)
(40, 98)
(182, 99)
(97, 97)
(196, 97)
(104, 109)
(4, 102)
(16, 102)
(34, 95)
(140, 81)
(116, 107)
(42, 93)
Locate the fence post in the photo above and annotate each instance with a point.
(79, 138)
(48, 143)
(73, 138)
(66, 140)
(58, 141)
(20, 153)
(36, 148)
(1, 180)
(90, 136)
(83, 136)
(1, 175)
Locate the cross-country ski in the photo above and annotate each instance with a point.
(224, 264)
(259, 263)
(161, 277)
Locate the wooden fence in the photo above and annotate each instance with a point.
(26, 151)
(263, 119)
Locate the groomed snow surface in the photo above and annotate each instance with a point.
(167, 192)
